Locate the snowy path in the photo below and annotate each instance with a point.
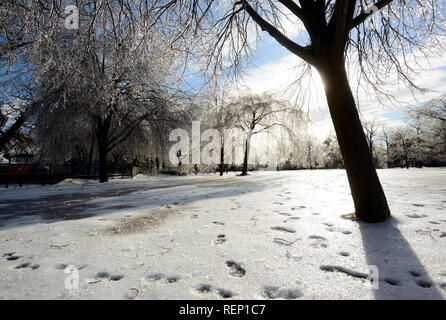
(269, 235)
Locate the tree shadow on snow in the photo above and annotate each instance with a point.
(75, 206)
(401, 273)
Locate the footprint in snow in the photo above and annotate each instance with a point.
(332, 229)
(235, 269)
(23, 265)
(161, 276)
(424, 284)
(155, 277)
(105, 275)
(172, 279)
(415, 274)
(271, 292)
(285, 214)
(284, 242)
(392, 281)
(61, 266)
(204, 288)
(27, 265)
(283, 229)
(13, 257)
(416, 216)
(207, 288)
(225, 294)
(221, 238)
(319, 242)
(317, 237)
(116, 277)
(291, 218)
(102, 275)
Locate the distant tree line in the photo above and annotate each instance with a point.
(419, 142)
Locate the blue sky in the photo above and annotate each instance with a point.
(396, 114)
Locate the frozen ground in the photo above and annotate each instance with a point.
(271, 235)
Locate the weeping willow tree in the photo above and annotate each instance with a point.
(105, 79)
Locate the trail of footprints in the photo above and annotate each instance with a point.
(107, 276)
(441, 234)
(236, 269)
(268, 292)
(12, 256)
(101, 275)
(389, 280)
(321, 242)
(318, 241)
(155, 277)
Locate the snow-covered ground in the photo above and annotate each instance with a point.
(271, 235)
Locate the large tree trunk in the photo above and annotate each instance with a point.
(368, 195)
(103, 176)
(245, 158)
(103, 127)
(90, 158)
(222, 163)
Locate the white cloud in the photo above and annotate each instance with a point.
(277, 76)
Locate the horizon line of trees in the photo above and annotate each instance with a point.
(421, 141)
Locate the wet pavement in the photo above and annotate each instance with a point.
(74, 206)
